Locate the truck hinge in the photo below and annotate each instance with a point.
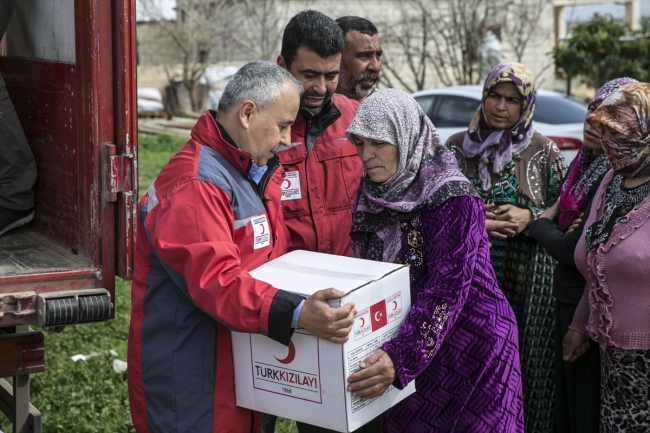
(18, 304)
(119, 173)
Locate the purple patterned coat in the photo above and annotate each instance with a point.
(459, 341)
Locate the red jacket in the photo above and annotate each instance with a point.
(202, 226)
(320, 187)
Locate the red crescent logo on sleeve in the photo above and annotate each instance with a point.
(290, 356)
(287, 182)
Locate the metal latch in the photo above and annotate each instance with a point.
(119, 173)
(18, 304)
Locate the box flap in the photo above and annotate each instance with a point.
(306, 272)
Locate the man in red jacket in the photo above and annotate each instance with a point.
(212, 215)
(323, 169)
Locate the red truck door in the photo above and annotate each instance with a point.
(69, 67)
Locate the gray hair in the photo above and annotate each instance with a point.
(258, 81)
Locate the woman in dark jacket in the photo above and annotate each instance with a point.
(578, 383)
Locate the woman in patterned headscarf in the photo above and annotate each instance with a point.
(459, 340)
(518, 173)
(577, 402)
(613, 256)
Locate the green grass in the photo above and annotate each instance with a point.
(153, 153)
(88, 396)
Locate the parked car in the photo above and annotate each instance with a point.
(557, 116)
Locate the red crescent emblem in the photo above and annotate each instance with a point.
(263, 229)
(394, 305)
(363, 322)
(288, 182)
(290, 356)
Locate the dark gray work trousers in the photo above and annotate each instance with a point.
(17, 165)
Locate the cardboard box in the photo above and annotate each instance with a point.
(307, 380)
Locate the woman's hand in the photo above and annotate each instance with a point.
(575, 224)
(376, 375)
(488, 208)
(508, 212)
(500, 229)
(497, 229)
(574, 345)
(551, 212)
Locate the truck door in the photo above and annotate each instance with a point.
(69, 67)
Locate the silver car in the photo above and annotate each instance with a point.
(556, 116)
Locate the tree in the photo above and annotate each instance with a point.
(443, 39)
(603, 49)
(198, 25)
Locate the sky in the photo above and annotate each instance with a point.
(573, 14)
(166, 8)
(584, 13)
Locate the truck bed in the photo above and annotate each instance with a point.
(26, 257)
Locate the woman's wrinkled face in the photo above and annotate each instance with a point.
(379, 158)
(592, 136)
(503, 106)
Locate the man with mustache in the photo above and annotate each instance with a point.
(361, 61)
(323, 170)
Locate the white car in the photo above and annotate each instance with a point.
(556, 116)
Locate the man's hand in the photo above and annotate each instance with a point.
(574, 345)
(376, 375)
(508, 212)
(323, 321)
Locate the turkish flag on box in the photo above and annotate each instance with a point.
(378, 315)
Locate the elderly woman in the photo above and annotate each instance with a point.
(518, 173)
(577, 402)
(613, 255)
(459, 340)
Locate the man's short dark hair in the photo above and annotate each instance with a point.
(359, 24)
(312, 30)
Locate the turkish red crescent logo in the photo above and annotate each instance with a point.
(288, 182)
(363, 322)
(378, 314)
(263, 229)
(290, 356)
(394, 305)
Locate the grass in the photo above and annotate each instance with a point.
(89, 396)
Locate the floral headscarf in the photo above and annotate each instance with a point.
(499, 145)
(626, 111)
(586, 168)
(427, 173)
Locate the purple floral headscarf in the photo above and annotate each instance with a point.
(427, 173)
(585, 169)
(499, 145)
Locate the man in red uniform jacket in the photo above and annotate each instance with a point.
(323, 169)
(212, 215)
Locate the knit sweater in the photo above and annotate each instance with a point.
(615, 307)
